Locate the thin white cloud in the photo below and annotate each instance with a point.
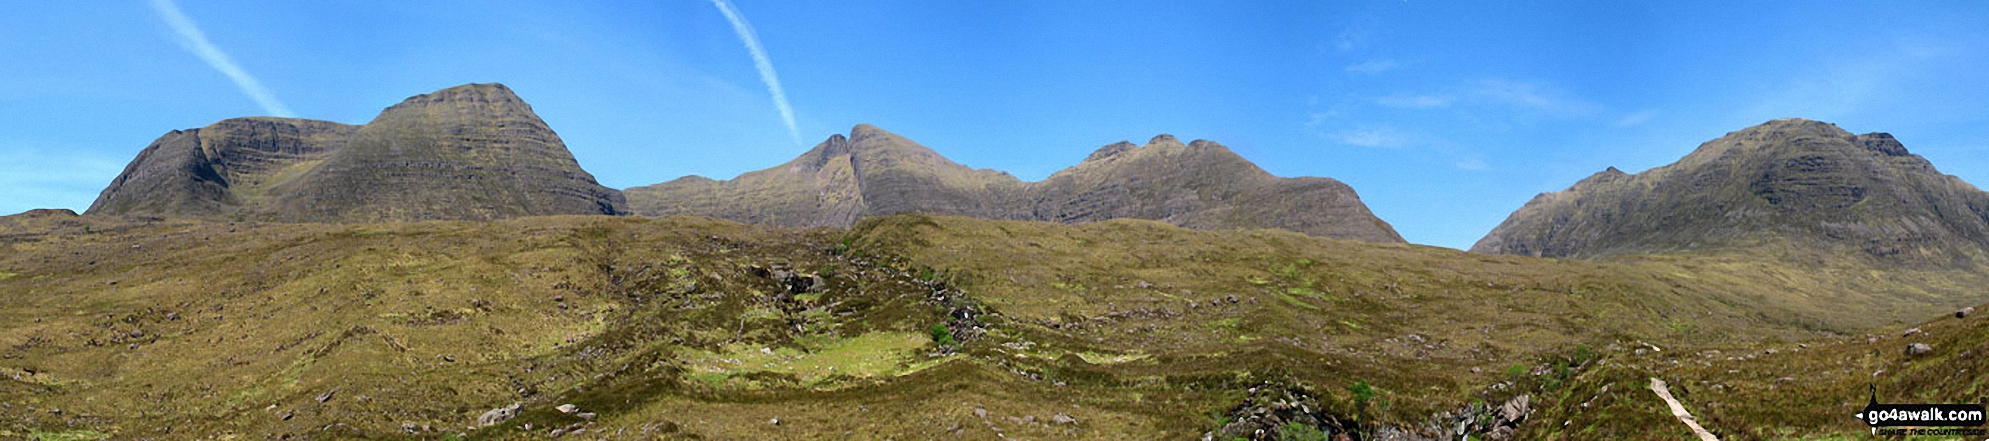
(1383, 138)
(1635, 119)
(1529, 97)
(1535, 96)
(765, 65)
(196, 42)
(1374, 67)
(1413, 101)
(1354, 36)
(1471, 164)
(1315, 119)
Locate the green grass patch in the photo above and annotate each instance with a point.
(877, 354)
(1072, 286)
(1294, 301)
(1101, 358)
(68, 435)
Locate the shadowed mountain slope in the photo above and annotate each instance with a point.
(1199, 185)
(469, 152)
(1788, 188)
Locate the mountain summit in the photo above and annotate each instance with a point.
(475, 151)
(1200, 184)
(1795, 182)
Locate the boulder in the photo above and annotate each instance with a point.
(1918, 348)
(498, 415)
(1061, 418)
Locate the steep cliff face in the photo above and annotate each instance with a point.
(1787, 182)
(874, 172)
(469, 152)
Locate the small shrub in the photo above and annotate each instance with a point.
(942, 336)
(1363, 394)
(1293, 431)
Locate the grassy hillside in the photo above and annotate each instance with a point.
(903, 326)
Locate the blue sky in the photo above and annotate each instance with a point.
(1445, 116)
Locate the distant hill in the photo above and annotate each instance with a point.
(1199, 185)
(469, 152)
(1793, 186)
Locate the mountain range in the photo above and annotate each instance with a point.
(1200, 185)
(478, 151)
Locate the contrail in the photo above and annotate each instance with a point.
(760, 60)
(195, 41)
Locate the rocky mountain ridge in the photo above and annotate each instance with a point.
(1201, 185)
(1789, 183)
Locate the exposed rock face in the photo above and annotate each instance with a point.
(873, 172)
(469, 152)
(1201, 185)
(1789, 181)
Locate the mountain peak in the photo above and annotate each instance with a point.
(1792, 127)
(474, 151)
(1883, 143)
(863, 131)
(1163, 139)
(473, 92)
(1787, 182)
(1204, 144)
(1110, 150)
(1607, 175)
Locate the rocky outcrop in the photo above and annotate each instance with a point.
(1200, 184)
(469, 152)
(1788, 182)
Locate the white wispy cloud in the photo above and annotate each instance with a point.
(1374, 67)
(1354, 36)
(765, 65)
(1635, 119)
(1413, 101)
(196, 42)
(1533, 96)
(1372, 137)
(1471, 164)
(1315, 119)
